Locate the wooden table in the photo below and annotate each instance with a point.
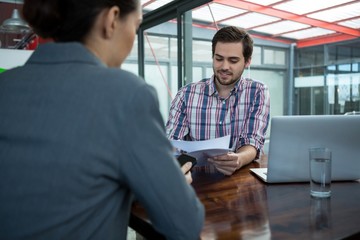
(243, 207)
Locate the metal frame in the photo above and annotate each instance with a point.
(170, 11)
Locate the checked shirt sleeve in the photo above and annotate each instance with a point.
(177, 125)
(257, 120)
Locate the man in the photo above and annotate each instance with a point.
(224, 104)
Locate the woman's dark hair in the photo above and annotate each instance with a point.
(69, 20)
(233, 35)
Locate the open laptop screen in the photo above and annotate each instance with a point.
(292, 136)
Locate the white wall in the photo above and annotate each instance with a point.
(10, 58)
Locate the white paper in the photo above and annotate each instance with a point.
(202, 150)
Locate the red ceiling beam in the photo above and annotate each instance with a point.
(147, 3)
(323, 40)
(252, 7)
(211, 27)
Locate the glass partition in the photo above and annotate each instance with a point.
(327, 79)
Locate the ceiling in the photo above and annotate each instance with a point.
(13, 1)
(303, 22)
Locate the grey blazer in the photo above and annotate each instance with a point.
(78, 141)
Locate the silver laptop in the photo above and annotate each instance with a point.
(292, 136)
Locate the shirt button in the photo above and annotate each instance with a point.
(224, 102)
(220, 122)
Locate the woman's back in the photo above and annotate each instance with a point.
(62, 130)
(80, 138)
(70, 131)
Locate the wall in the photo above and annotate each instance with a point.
(6, 10)
(12, 58)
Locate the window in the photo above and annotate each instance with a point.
(274, 57)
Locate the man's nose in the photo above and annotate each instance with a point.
(225, 65)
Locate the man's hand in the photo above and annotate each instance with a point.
(230, 162)
(227, 163)
(186, 170)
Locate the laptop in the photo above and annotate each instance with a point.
(292, 136)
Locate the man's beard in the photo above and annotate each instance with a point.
(226, 83)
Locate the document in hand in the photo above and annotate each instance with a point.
(202, 150)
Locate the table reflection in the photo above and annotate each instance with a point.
(294, 214)
(242, 205)
(320, 218)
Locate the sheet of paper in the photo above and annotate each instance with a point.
(204, 149)
(192, 146)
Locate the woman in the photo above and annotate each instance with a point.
(80, 138)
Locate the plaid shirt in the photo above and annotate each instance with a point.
(199, 113)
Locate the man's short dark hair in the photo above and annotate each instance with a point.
(233, 34)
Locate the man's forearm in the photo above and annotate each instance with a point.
(246, 154)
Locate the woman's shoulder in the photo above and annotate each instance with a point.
(118, 78)
(121, 82)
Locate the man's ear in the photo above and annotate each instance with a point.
(110, 21)
(248, 62)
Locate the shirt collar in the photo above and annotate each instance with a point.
(213, 90)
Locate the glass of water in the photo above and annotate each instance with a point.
(320, 172)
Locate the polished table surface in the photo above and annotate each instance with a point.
(241, 206)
